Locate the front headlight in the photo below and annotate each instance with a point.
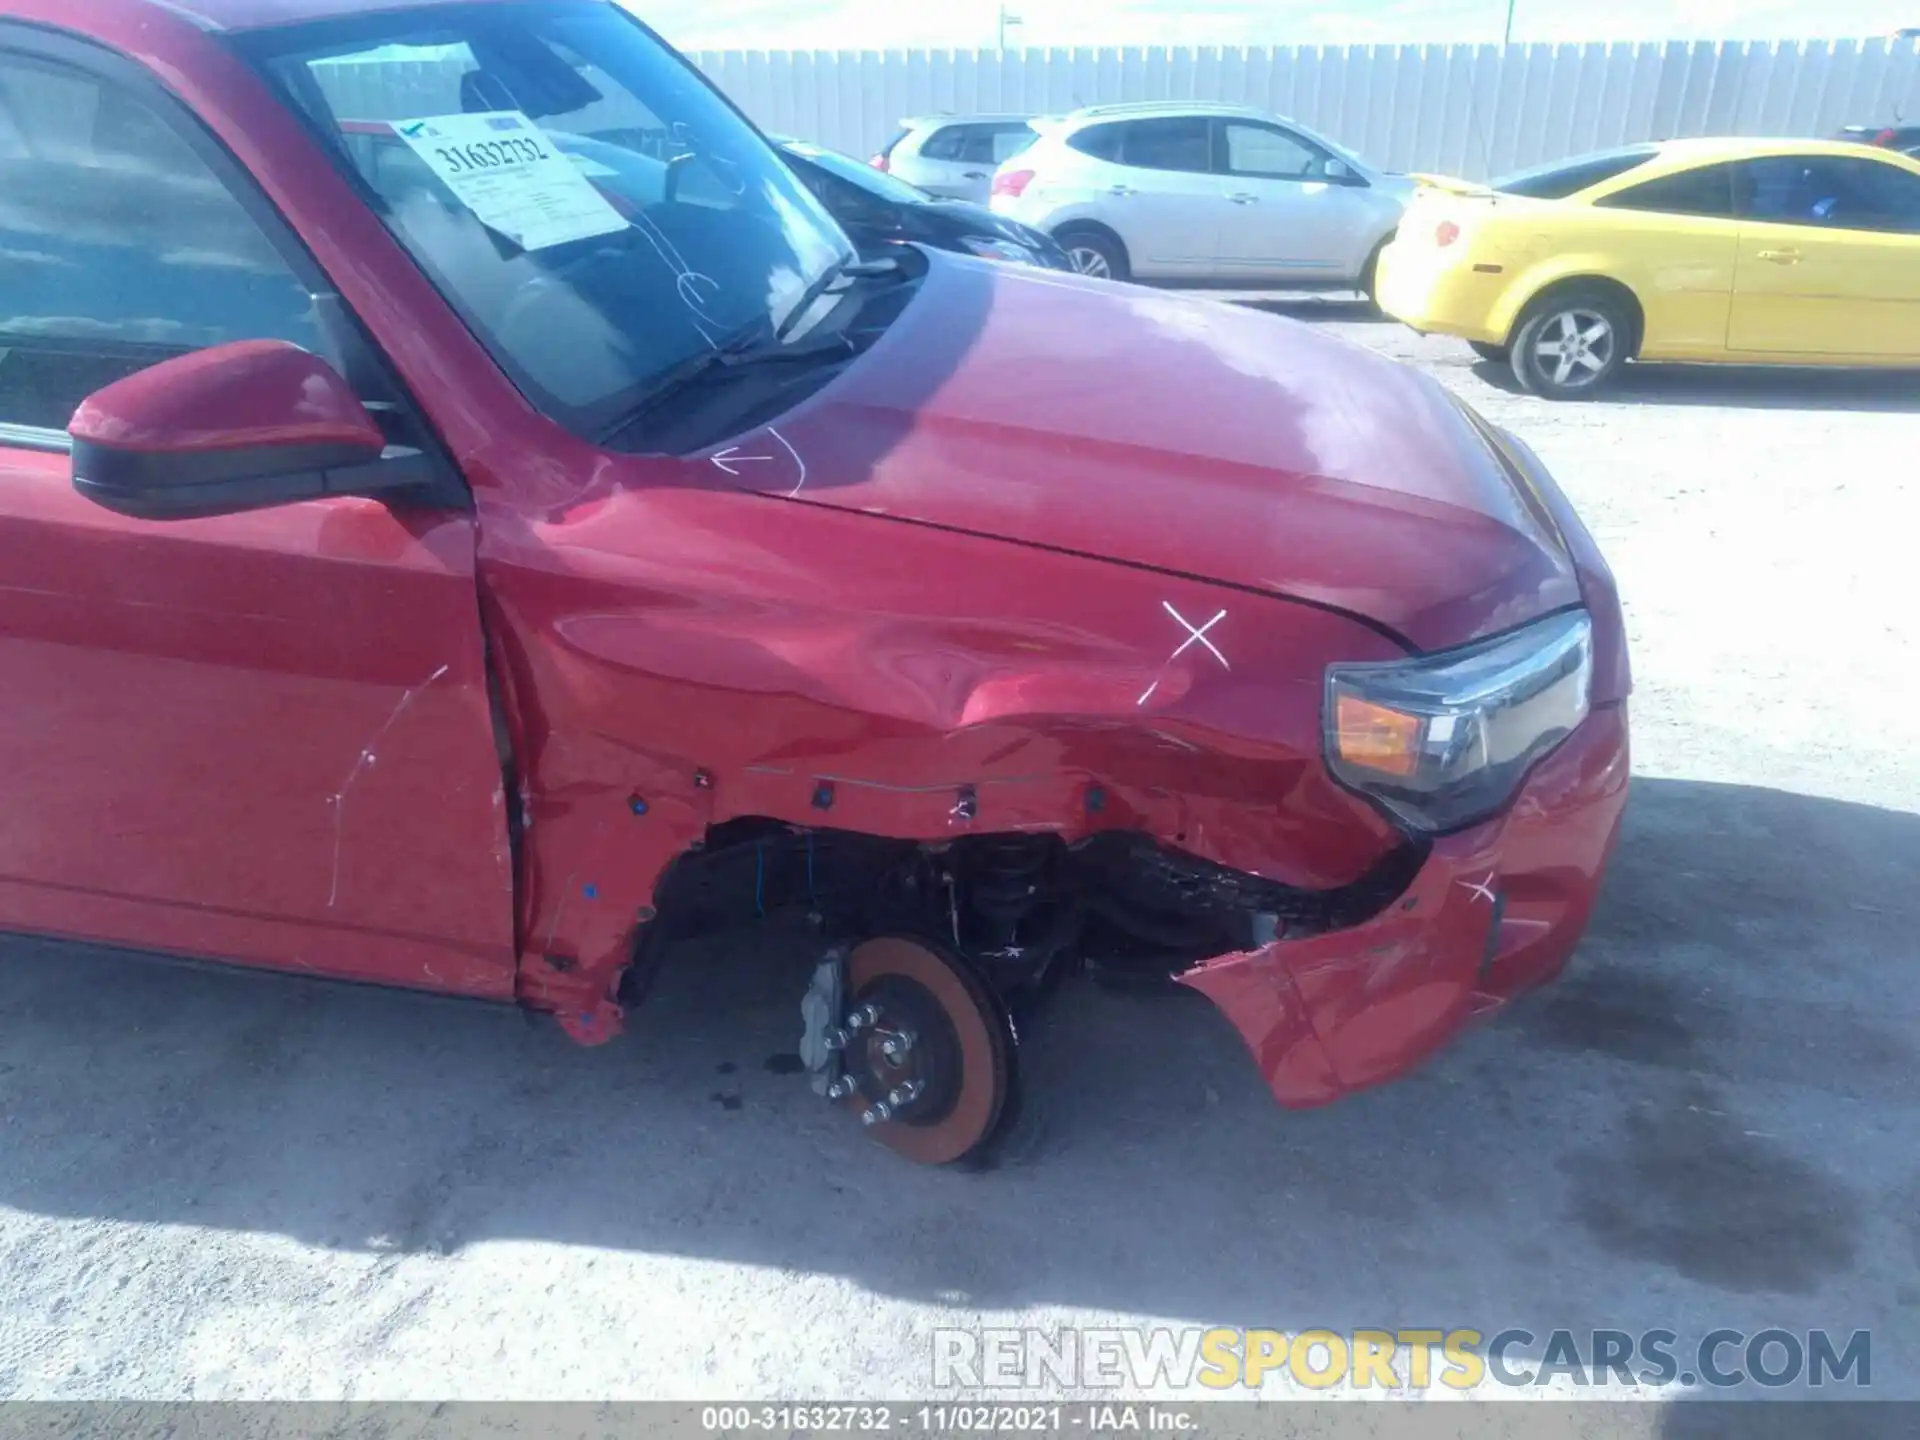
(992, 247)
(1444, 740)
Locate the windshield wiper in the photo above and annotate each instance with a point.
(822, 283)
(747, 348)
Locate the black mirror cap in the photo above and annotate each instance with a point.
(194, 485)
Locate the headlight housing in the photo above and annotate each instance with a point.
(1442, 741)
(993, 247)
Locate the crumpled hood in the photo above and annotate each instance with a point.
(1188, 436)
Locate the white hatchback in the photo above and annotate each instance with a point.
(953, 155)
(1208, 194)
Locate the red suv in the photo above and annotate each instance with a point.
(469, 521)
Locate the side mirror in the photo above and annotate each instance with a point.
(235, 427)
(1338, 172)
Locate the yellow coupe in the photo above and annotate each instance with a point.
(1765, 252)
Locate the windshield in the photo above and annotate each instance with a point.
(875, 182)
(594, 211)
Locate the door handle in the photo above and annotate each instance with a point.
(1121, 190)
(1242, 198)
(1781, 257)
(973, 175)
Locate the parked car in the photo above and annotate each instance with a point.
(1756, 252)
(952, 155)
(881, 209)
(442, 552)
(1904, 138)
(1202, 194)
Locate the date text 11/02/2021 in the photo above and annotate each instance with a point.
(1092, 1418)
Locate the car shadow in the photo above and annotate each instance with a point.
(1336, 308)
(1702, 1115)
(1752, 387)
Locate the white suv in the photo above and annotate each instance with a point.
(1209, 194)
(953, 155)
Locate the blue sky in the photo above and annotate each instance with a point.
(871, 24)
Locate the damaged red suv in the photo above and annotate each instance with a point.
(470, 521)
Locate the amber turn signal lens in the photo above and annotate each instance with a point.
(1381, 739)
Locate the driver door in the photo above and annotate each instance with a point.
(1829, 258)
(1284, 218)
(263, 737)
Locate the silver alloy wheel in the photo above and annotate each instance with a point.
(1575, 347)
(1088, 261)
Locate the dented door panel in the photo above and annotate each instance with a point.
(263, 736)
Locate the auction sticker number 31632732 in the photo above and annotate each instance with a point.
(503, 168)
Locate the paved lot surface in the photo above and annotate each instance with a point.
(213, 1185)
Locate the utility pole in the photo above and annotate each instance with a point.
(1006, 19)
(1507, 39)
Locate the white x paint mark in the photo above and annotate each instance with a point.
(1196, 634)
(1484, 889)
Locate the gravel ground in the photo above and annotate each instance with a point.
(219, 1186)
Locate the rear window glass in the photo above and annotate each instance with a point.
(1008, 141)
(978, 144)
(944, 144)
(1100, 141)
(1569, 177)
(876, 183)
(1707, 191)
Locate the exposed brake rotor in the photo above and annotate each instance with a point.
(929, 1056)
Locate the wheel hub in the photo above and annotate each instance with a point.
(928, 1054)
(904, 1057)
(1575, 346)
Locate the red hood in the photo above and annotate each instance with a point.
(1187, 436)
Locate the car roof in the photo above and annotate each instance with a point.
(257, 14)
(922, 122)
(1707, 149)
(1151, 109)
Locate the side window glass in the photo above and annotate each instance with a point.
(1773, 190)
(1881, 197)
(976, 145)
(118, 246)
(1707, 191)
(1262, 151)
(1176, 142)
(1829, 193)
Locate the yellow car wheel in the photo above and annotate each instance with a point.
(1571, 342)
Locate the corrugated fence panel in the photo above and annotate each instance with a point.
(1465, 110)
(1459, 109)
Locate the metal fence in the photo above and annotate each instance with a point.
(1468, 110)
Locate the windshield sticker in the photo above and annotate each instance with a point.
(505, 169)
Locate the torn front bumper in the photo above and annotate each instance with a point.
(1495, 910)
